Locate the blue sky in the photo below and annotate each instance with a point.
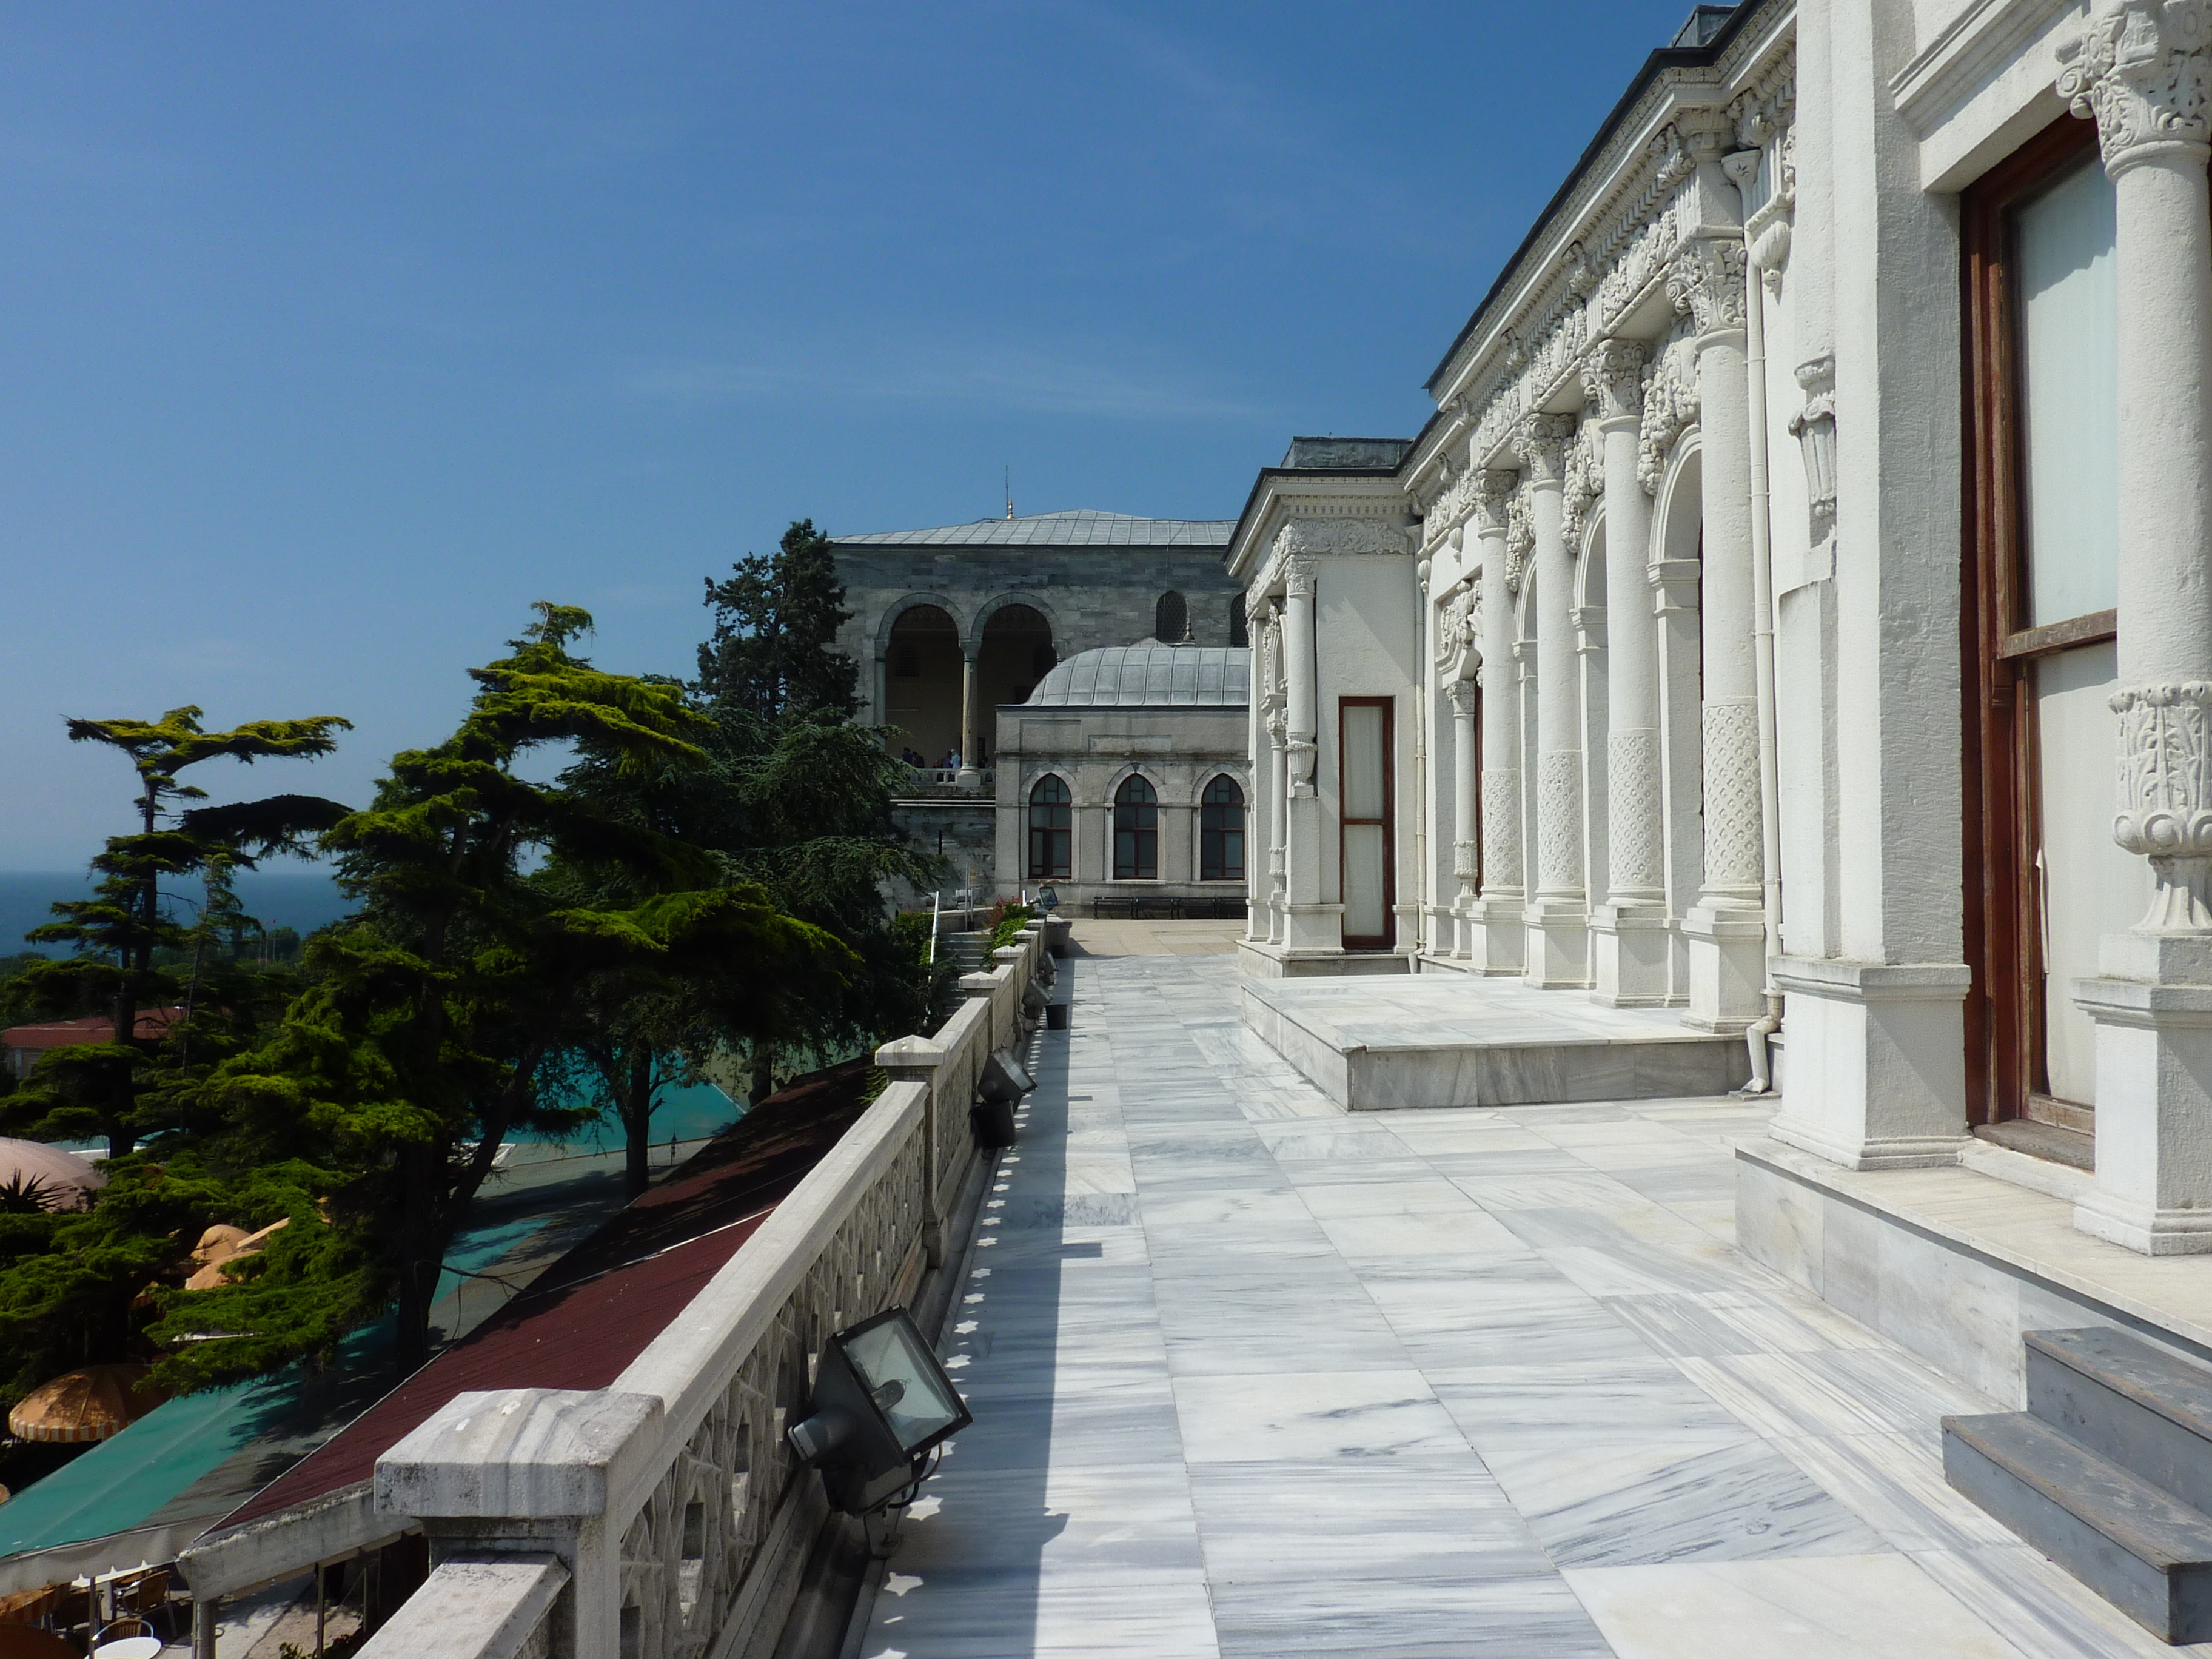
(332, 336)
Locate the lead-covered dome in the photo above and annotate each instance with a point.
(1149, 675)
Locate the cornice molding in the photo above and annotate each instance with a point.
(1964, 54)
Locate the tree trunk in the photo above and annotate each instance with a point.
(421, 1257)
(763, 1082)
(636, 1107)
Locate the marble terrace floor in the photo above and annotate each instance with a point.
(1253, 1377)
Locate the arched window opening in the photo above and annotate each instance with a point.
(1136, 831)
(1052, 829)
(1239, 630)
(1171, 619)
(1221, 831)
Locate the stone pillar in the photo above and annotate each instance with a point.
(2144, 71)
(1726, 927)
(1258, 810)
(1628, 927)
(1279, 819)
(917, 1059)
(1496, 935)
(1308, 924)
(881, 686)
(970, 775)
(1557, 914)
(1462, 697)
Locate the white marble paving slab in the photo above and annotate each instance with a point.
(1362, 1414)
(1814, 1607)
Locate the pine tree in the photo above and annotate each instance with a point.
(96, 1088)
(772, 655)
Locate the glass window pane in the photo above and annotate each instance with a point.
(2069, 381)
(1363, 761)
(1366, 914)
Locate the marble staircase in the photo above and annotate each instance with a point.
(2108, 1472)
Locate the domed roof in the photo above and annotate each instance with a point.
(1149, 675)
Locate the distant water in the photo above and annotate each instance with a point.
(305, 899)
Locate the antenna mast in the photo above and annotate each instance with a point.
(1010, 492)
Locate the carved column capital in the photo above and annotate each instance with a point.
(1461, 695)
(1493, 494)
(1613, 379)
(2141, 68)
(1542, 441)
(1705, 283)
(1298, 578)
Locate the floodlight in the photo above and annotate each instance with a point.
(881, 1401)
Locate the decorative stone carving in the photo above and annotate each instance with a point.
(2166, 770)
(1705, 283)
(1644, 258)
(1338, 536)
(1491, 499)
(1466, 867)
(1542, 441)
(2141, 68)
(1297, 577)
(1632, 779)
(1520, 539)
(1670, 405)
(1459, 632)
(1815, 428)
(1501, 828)
(1585, 482)
(1613, 379)
(1731, 792)
(1559, 821)
(1461, 695)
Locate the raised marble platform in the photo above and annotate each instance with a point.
(1453, 1040)
(1257, 959)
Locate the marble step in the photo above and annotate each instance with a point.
(2140, 1548)
(2146, 1410)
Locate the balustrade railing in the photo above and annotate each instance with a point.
(666, 1514)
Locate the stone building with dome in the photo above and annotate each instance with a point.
(1122, 780)
(948, 623)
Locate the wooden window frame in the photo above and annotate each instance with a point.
(2004, 1011)
(1388, 939)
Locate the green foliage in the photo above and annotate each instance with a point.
(427, 1024)
(1008, 922)
(776, 618)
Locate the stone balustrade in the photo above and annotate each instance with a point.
(666, 1514)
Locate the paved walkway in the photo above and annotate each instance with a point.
(1253, 1377)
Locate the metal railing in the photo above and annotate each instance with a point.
(666, 1514)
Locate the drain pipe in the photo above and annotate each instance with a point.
(1743, 167)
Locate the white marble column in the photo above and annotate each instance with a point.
(1462, 698)
(1726, 928)
(1628, 928)
(2145, 71)
(1308, 924)
(970, 775)
(1559, 938)
(1496, 935)
(1279, 818)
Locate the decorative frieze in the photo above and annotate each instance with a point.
(1325, 537)
(2142, 70)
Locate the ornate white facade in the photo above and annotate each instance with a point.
(1706, 609)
